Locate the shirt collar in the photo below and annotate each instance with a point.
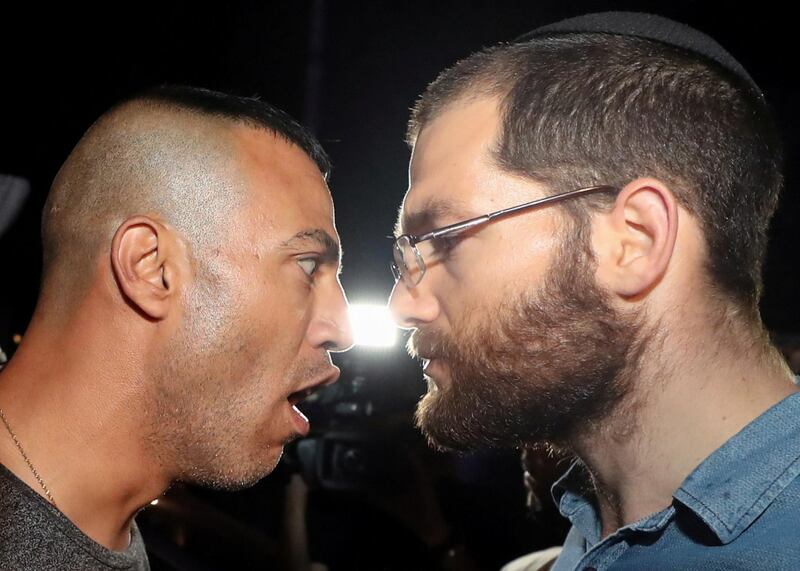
(736, 483)
(573, 494)
(728, 490)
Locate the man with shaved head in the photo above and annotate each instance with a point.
(579, 255)
(190, 299)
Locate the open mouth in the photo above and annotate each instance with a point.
(307, 395)
(298, 397)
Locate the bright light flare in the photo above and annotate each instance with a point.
(372, 325)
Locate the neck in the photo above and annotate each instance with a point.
(680, 410)
(75, 403)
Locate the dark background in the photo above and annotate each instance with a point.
(349, 70)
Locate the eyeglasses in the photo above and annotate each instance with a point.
(408, 263)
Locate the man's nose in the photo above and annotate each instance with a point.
(331, 328)
(412, 306)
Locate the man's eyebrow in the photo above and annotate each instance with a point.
(430, 216)
(331, 251)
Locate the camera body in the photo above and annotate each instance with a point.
(360, 427)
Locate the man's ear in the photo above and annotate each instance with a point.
(637, 242)
(147, 264)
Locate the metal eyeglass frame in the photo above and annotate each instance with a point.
(401, 270)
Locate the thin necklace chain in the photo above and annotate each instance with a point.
(27, 460)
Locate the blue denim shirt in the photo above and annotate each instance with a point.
(740, 509)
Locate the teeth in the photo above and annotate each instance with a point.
(299, 412)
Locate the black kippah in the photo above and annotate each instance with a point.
(651, 27)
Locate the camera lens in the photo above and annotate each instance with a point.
(354, 461)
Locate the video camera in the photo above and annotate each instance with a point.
(359, 423)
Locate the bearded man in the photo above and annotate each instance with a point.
(579, 257)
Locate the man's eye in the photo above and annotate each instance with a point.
(444, 244)
(309, 265)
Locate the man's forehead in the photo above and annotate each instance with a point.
(463, 131)
(283, 183)
(274, 164)
(288, 205)
(297, 213)
(451, 166)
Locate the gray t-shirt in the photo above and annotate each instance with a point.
(35, 536)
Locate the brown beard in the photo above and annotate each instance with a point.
(541, 367)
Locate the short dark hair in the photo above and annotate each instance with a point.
(590, 108)
(250, 111)
(167, 151)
